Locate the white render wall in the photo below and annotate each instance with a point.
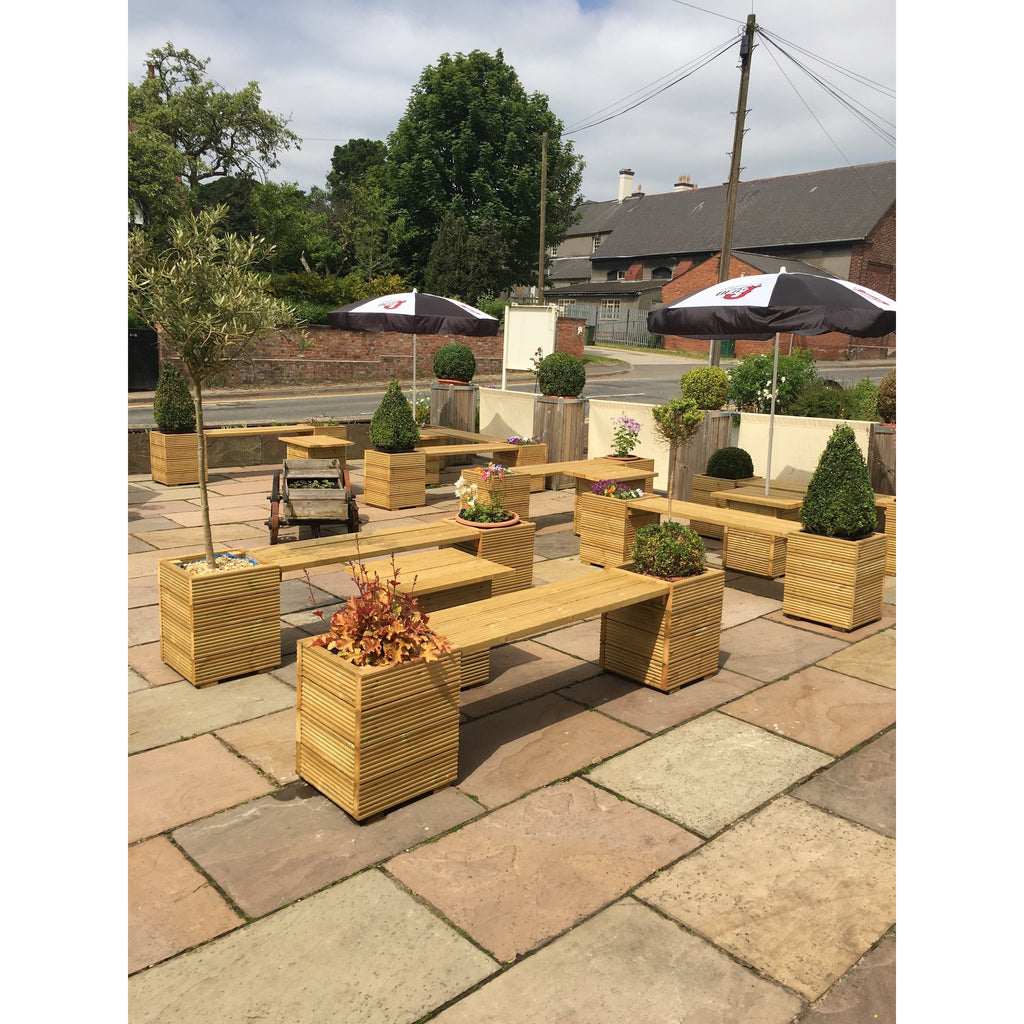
(506, 413)
(650, 446)
(797, 443)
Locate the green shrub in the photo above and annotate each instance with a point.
(422, 412)
(493, 307)
(309, 312)
(839, 501)
(454, 361)
(561, 374)
(730, 464)
(862, 400)
(750, 380)
(887, 398)
(668, 549)
(820, 400)
(393, 426)
(173, 408)
(708, 386)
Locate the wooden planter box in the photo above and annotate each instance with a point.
(756, 553)
(173, 458)
(453, 405)
(372, 738)
(636, 462)
(394, 480)
(703, 487)
(666, 643)
(506, 545)
(839, 583)
(514, 490)
(529, 455)
(607, 529)
(219, 625)
(559, 421)
(886, 505)
(583, 485)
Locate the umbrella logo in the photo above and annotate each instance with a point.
(394, 304)
(738, 292)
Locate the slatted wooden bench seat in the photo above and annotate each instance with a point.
(475, 628)
(437, 453)
(751, 543)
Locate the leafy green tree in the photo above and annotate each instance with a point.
(350, 165)
(464, 266)
(470, 143)
(210, 302)
(215, 133)
(236, 194)
(675, 423)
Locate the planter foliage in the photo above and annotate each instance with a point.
(708, 386)
(561, 374)
(174, 412)
(730, 464)
(840, 501)
(393, 425)
(454, 361)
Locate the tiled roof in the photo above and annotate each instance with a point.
(839, 205)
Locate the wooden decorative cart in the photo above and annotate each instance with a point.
(313, 493)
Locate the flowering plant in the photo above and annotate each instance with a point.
(523, 440)
(625, 435)
(613, 489)
(476, 510)
(495, 471)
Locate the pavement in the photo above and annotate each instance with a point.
(608, 853)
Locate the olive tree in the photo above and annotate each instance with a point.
(209, 303)
(675, 423)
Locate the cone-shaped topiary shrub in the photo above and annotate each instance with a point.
(173, 409)
(730, 464)
(708, 386)
(454, 361)
(562, 374)
(839, 500)
(668, 549)
(887, 397)
(393, 426)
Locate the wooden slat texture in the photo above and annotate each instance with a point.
(507, 545)
(514, 490)
(524, 455)
(394, 480)
(174, 458)
(704, 487)
(723, 516)
(607, 528)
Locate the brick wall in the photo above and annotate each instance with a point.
(345, 357)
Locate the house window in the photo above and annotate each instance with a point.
(661, 274)
(609, 309)
(620, 275)
(552, 251)
(597, 242)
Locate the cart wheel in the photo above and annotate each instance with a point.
(274, 522)
(314, 528)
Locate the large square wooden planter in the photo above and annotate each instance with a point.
(607, 529)
(394, 480)
(667, 642)
(838, 583)
(529, 455)
(372, 738)
(221, 624)
(174, 458)
(703, 487)
(513, 489)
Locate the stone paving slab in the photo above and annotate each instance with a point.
(768, 650)
(797, 893)
(168, 713)
(268, 742)
(275, 850)
(144, 524)
(145, 659)
(556, 544)
(552, 570)
(328, 955)
(144, 625)
(709, 772)
(521, 672)
(825, 710)
(873, 659)
(136, 682)
(738, 606)
(866, 995)
(861, 787)
(868, 629)
(530, 745)
(252, 515)
(582, 640)
(526, 872)
(186, 781)
(653, 711)
(298, 596)
(171, 906)
(626, 964)
(142, 592)
(136, 546)
(223, 535)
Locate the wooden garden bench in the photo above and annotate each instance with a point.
(477, 627)
(437, 453)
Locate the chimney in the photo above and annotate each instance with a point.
(683, 184)
(625, 184)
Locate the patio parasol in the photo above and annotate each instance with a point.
(414, 313)
(761, 306)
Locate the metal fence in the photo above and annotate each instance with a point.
(629, 329)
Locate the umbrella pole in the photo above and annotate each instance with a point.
(771, 419)
(414, 374)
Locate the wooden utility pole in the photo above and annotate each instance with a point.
(746, 47)
(543, 198)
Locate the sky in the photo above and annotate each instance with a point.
(344, 69)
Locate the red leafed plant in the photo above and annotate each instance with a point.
(380, 625)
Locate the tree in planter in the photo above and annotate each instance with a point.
(730, 464)
(393, 424)
(675, 423)
(839, 501)
(454, 361)
(561, 374)
(210, 304)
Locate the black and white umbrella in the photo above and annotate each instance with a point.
(414, 313)
(762, 306)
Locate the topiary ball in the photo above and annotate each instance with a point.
(730, 464)
(840, 501)
(562, 374)
(887, 397)
(393, 426)
(708, 386)
(173, 409)
(454, 361)
(668, 549)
